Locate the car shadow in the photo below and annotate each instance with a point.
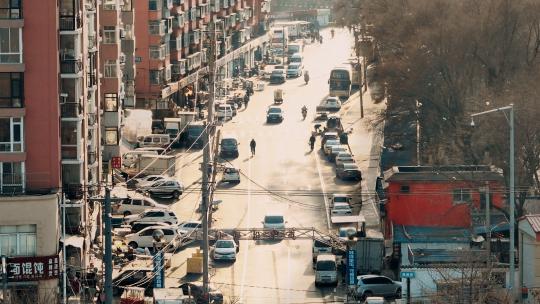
(225, 185)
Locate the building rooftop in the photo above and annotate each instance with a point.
(443, 173)
(414, 234)
(443, 256)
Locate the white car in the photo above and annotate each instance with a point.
(168, 186)
(138, 182)
(224, 111)
(344, 157)
(153, 215)
(274, 221)
(332, 104)
(327, 147)
(231, 175)
(135, 204)
(144, 237)
(191, 225)
(341, 209)
(225, 250)
(337, 198)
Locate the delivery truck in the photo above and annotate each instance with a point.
(176, 126)
(148, 164)
(369, 252)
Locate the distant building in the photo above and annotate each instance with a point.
(446, 196)
(529, 242)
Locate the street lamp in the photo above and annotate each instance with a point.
(510, 120)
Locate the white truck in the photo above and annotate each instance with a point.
(148, 164)
(176, 126)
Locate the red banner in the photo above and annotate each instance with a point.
(33, 268)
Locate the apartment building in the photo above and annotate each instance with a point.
(173, 46)
(49, 140)
(116, 52)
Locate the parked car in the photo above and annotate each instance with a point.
(274, 114)
(320, 247)
(377, 285)
(327, 147)
(168, 186)
(346, 232)
(344, 157)
(332, 104)
(138, 226)
(328, 136)
(144, 239)
(229, 147)
(224, 111)
(231, 175)
(348, 171)
(337, 198)
(294, 70)
(225, 249)
(274, 221)
(138, 182)
(135, 204)
(195, 289)
(335, 150)
(152, 215)
(341, 209)
(191, 225)
(326, 270)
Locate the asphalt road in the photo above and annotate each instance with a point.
(284, 177)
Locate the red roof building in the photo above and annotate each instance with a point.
(426, 196)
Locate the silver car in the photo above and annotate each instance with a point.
(167, 186)
(377, 285)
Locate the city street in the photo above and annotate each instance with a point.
(283, 177)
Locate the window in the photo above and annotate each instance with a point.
(154, 5)
(10, 45)
(157, 52)
(11, 134)
(461, 196)
(154, 27)
(156, 77)
(405, 189)
(19, 240)
(10, 9)
(111, 102)
(11, 178)
(109, 35)
(127, 5)
(110, 69)
(11, 90)
(109, 5)
(168, 232)
(111, 136)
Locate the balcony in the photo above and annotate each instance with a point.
(73, 191)
(92, 157)
(70, 66)
(70, 110)
(70, 23)
(91, 119)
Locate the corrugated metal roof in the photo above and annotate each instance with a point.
(445, 173)
(534, 221)
(414, 234)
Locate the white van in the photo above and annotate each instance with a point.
(296, 58)
(131, 157)
(224, 111)
(326, 270)
(154, 140)
(321, 247)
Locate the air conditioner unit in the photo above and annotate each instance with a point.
(122, 58)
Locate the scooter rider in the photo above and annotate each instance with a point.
(304, 111)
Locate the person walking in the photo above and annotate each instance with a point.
(312, 142)
(252, 145)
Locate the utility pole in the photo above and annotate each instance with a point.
(284, 46)
(361, 78)
(106, 216)
(209, 130)
(488, 224)
(4, 280)
(64, 255)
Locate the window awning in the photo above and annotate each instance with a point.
(74, 241)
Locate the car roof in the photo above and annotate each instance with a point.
(341, 205)
(191, 221)
(326, 257)
(350, 165)
(332, 98)
(331, 133)
(341, 195)
(273, 214)
(229, 137)
(156, 227)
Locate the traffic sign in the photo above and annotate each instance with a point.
(351, 267)
(116, 162)
(407, 274)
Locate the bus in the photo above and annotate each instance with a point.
(340, 82)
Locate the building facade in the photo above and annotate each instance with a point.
(173, 47)
(426, 196)
(117, 87)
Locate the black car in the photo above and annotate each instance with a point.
(278, 76)
(348, 171)
(195, 289)
(229, 147)
(135, 277)
(274, 114)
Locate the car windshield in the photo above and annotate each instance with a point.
(320, 244)
(224, 244)
(332, 142)
(350, 166)
(228, 142)
(341, 199)
(341, 207)
(345, 232)
(274, 110)
(273, 219)
(326, 266)
(293, 66)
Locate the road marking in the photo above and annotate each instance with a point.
(246, 250)
(323, 190)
